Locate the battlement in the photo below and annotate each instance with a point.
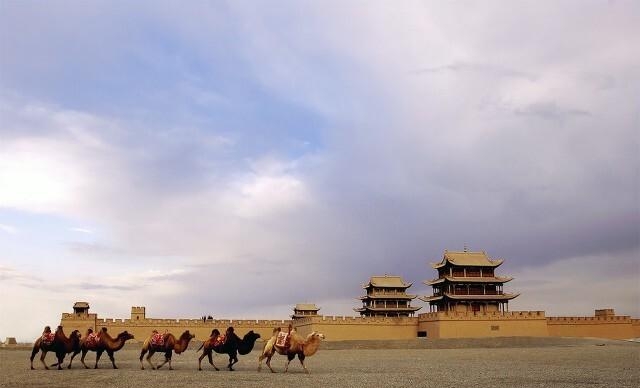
(470, 316)
(79, 316)
(589, 320)
(359, 320)
(192, 322)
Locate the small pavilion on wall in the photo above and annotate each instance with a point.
(387, 297)
(467, 282)
(302, 310)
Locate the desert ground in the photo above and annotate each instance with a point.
(515, 362)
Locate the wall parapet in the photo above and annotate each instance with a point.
(190, 322)
(357, 320)
(470, 316)
(589, 320)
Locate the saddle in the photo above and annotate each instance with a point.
(283, 340)
(92, 339)
(157, 339)
(47, 338)
(219, 340)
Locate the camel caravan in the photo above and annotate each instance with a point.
(287, 343)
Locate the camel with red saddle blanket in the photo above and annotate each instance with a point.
(56, 342)
(101, 342)
(290, 344)
(166, 343)
(228, 343)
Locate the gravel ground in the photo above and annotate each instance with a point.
(517, 363)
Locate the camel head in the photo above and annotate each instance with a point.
(251, 335)
(315, 335)
(125, 336)
(187, 336)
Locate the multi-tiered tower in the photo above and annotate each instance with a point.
(467, 282)
(387, 297)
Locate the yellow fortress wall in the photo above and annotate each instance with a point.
(338, 328)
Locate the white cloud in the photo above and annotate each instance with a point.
(9, 229)
(81, 230)
(577, 286)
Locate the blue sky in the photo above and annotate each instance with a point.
(237, 158)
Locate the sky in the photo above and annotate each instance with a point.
(236, 158)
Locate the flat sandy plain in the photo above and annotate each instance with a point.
(504, 362)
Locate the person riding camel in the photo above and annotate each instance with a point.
(47, 335)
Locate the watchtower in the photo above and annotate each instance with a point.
(138, 313)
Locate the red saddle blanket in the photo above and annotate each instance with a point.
(282, 340)
(47, 338)
(157, 339)
(92, 339)
(219, 340)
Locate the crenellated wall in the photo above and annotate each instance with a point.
(610, 326)
(491, 324)
(338, 328)
(142, 328)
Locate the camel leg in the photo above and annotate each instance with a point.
(167, 358)
(142, 352)
(84, 354)
(112, 358)
(301, 358)
(60, 357)
(290, 357)
(98, 355)
(33, 355)
(211, 360)
(149, 360)
(266, 353)
(233, 358)
(75, 353)
(200, 360)
(269, 363)
(44, 353)
(210, 355)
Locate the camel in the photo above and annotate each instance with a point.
(298, 346)
(168, 344)
(59, 343)
(231, 346)
(102, 343)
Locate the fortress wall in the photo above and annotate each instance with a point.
(492, 324)
(340, 328)
(81, 322)
(635, 328)
(142, 328)
(613, 327)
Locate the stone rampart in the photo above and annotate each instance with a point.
(474, 325)
(142, 328)
(613, 327)
(340, 328)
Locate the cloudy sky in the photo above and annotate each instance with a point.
(236, 158)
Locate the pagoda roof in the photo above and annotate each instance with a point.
(390, 297)
(470, 279)
(388, 309)
(431, 298)
(481, 297)
(390, 281)
(468, 297)
(471, 259)
(84, 305)
(306, 307)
